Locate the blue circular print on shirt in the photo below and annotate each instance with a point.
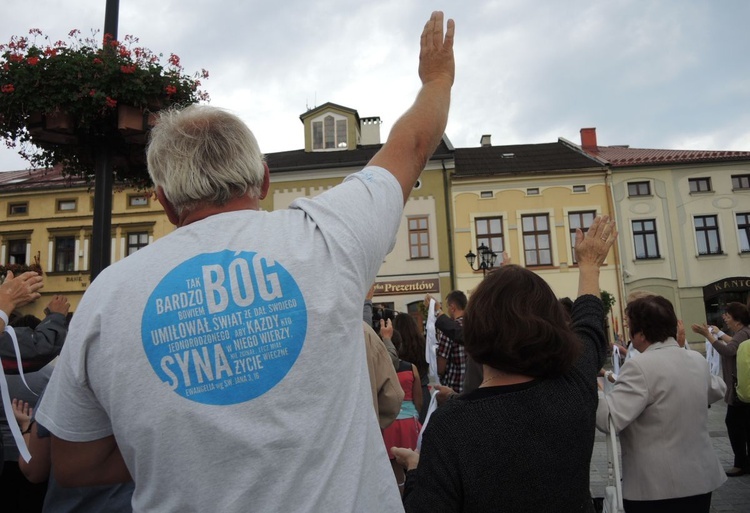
(223, 328)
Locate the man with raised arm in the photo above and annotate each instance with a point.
(201, 366)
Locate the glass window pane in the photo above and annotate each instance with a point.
(330, 137)
(317, 135)
(528, 224)
(745, 241)
(640, 248)
(496, 225)
(341, 133)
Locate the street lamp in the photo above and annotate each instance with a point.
(103, 178)
(487, 259)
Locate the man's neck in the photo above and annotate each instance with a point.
(233, 205)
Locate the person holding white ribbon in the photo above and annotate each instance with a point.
(659, 409)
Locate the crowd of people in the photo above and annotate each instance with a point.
(232, 376)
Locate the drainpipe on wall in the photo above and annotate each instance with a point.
(448, 220)
(619, 269)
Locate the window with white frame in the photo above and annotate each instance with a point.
(645, 239)
(67, 205)
(740, 182)
(580, 220)
(137, 200)
(18, 209)
(489, 232)
(419, 237)
(329, 133)
(743, 231)
(639, 189)
(702, 184)
(136, 241)
(707, 235)
(537, 240)
(65, 248)
(17, 251)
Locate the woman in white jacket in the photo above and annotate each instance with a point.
(659, 408)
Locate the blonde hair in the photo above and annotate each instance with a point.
(203, 155)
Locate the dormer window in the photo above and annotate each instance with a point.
(329, 133)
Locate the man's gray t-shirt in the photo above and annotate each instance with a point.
(227, 359)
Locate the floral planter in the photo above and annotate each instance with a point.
(130, 120)
(56, 127)
(134, 123)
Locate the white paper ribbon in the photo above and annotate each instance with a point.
(430, 346)
(616, 360)
(8, 406)
(432, 408)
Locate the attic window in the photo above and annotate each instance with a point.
(17, 209)
(532, 191)
(329, 133)
(485, 194)
(579, 188)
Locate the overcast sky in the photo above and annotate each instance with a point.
(669, 74)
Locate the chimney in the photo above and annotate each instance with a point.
(588, 139)
(486, 140)
(369, 129)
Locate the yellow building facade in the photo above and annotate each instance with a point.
(47, 219)
(527, 200)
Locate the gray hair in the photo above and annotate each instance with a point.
(203, 155)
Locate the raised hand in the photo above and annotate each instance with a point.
(19, 290)
(436, 50)
(592, 248)
(59, 304)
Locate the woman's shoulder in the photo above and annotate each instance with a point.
(404, 366)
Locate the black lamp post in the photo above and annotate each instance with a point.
(100, 246)
(487, 259)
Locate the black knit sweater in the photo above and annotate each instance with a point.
(517, 448)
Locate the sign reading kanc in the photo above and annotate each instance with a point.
(224, 328)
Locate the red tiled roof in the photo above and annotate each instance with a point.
(29, 179)
(623, 156)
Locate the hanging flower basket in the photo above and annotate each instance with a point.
(59, 101)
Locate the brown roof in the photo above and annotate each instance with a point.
(300, 160)
(32, 179)
(624, 156)
(522, 159)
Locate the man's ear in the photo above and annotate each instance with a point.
(266, 181)
(168, 208)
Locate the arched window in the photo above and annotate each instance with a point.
(329, 134)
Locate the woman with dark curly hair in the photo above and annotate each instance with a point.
(523, 440)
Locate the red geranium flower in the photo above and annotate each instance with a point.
(7, 88)
(110, 102)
